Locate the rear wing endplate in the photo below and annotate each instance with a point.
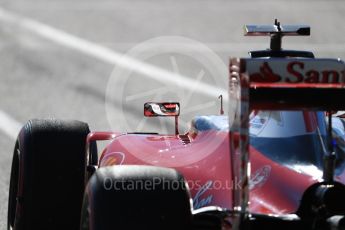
(291, 84)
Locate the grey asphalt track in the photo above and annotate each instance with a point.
(40, 78)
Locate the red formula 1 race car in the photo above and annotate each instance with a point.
(276, 160)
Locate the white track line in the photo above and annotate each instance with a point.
(9, 126)
(103, 53)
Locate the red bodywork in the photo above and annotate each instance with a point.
(274, 188)
(204, 156)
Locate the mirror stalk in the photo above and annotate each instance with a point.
(176, 125)
(221, 104)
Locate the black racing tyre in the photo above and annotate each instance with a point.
(136, 197)
(48, 175)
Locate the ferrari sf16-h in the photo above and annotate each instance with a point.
(275, 161)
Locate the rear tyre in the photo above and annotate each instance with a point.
(47, 176)
(136, 197)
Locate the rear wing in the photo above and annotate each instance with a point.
(275, 84)
(290, 84)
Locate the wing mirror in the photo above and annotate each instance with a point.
(163, 109)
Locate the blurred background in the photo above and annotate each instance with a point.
(63, 59)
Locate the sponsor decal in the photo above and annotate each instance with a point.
(318, 71)
(113, 158)
(266, 75)
(300, 74)
(259, 177)
(200, 200)
(258, 120)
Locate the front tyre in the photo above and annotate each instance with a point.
(47, 175)
(136, 197)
